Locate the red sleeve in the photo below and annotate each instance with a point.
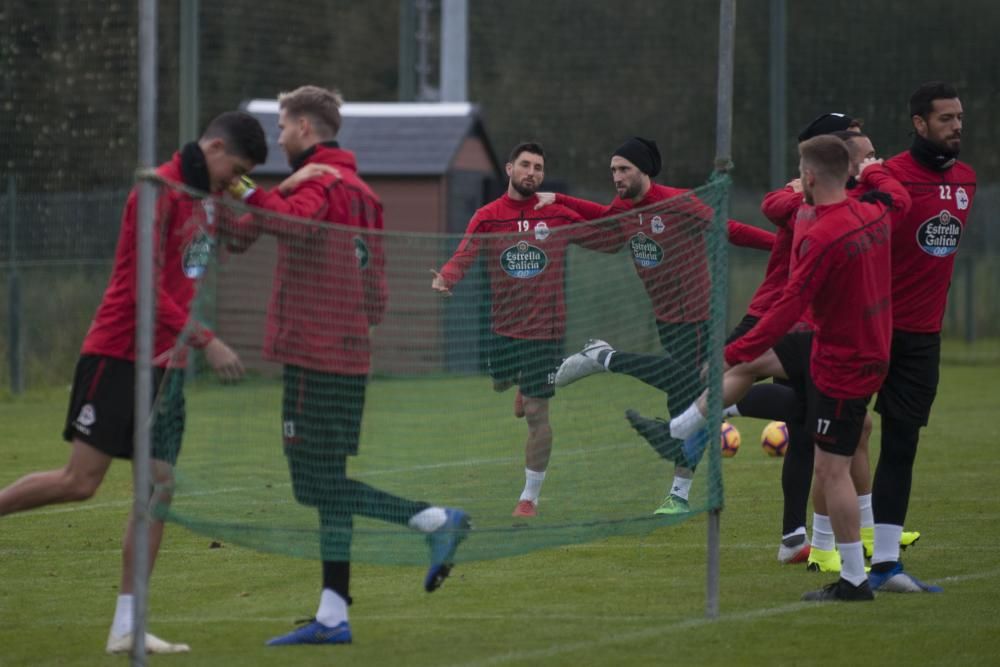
(748, 236)
(308, 201)
(810, 273)
(373, 275)
(878, 177)
(780, 205)
(465, 255)
(168, 312)
(588, 209)
(239, 232)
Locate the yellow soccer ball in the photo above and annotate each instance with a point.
(730, 438)
(774, 439)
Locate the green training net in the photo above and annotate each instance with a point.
(368, 393)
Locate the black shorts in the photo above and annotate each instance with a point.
(836, 423)
(530, 363)
(911, 385)
(320, 425)
(745, 325)
(102, 408)
(794, 351)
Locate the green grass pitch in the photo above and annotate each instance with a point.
(631, 600)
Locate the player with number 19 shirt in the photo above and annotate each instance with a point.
(525, 247)
(526, 259)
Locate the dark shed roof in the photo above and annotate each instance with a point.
(390, 138)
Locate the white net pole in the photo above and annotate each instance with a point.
(144, 324)
(723, 162)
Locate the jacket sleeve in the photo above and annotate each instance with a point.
(169, 313)
(373, 275)
(780, 205)
(309, 201)
(465, 255)
(748, 236)
(881, 179)
(810, 273)
(588, 210)
(238, 231)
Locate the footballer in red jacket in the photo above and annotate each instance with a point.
(923, 257)
(525, 249)
(329, 289)
(664, 231)
(842, 268)
(101, 417)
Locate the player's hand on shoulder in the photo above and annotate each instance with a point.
(867, 162)
(439, 284)
(545, 199)
(795, 184)
(223, 360)
(310, 171)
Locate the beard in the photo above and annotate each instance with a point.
(524, 189)
(631, 191)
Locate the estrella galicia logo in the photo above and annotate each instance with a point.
(197, 256)
(939, 236)
(646, 252)
(361, 252)
(523, 260)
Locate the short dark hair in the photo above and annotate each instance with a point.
(241, 133)
(922, 99)
(827, 155)
(527, 146)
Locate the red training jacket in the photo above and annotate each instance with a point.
(924, 246)
(329, 282)
(182, 246)
(843, 269)
(526, 260)
(667, 244)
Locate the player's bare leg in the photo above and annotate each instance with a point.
(78, 480)
(120, 636)
(736, 382)
(537, 450)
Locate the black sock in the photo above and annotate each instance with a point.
(337, 577)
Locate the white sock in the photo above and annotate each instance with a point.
(332, 609)
(865, 507)
(689, 421)
(607, 360)
(428, 520)
(886, 543)
(681, 487)
(532, 485)
(122, 625)
(731, 411)
(823, 533)
(852, 562)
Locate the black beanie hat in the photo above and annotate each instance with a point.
(643, 153)
(827, 123)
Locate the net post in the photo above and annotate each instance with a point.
(144, 326)
(719, 268)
